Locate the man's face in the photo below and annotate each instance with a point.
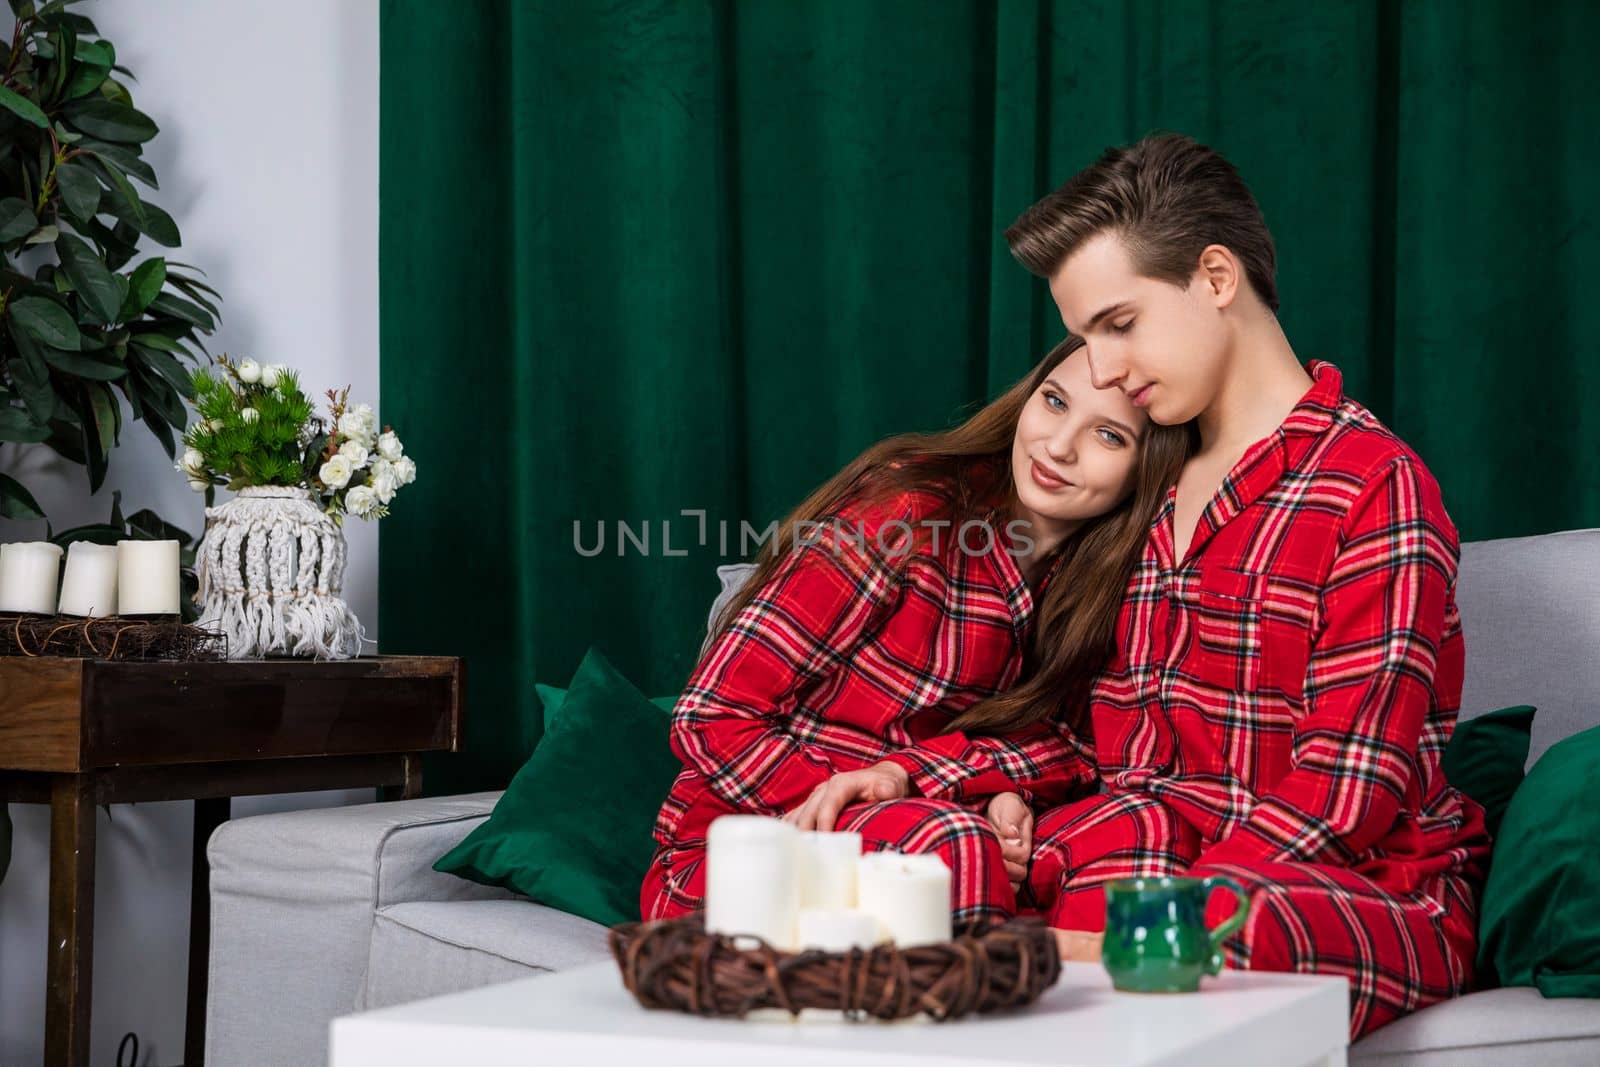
(1161, 345)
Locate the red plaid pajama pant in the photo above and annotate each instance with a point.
(1401, 951)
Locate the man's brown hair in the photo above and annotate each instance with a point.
(1166, 197)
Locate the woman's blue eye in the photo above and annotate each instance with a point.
(1124, 328)
(1053, 400)
(1112, 437)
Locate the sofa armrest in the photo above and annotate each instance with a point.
(293, 896)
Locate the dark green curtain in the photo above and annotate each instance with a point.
(646, 257)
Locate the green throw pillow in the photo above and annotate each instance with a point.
(1540, 921)
(1485, 757)
(573, 828)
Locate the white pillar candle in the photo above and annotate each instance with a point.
(147, 577)
(29, 571)
(908, 894)
(836, 929)
(90, 584)
(753, 878)
(828, 869)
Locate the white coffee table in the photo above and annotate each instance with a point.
(584, 1016)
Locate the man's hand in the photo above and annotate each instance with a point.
(879, 782)
(1012, 819)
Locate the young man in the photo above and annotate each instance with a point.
(1289, 657)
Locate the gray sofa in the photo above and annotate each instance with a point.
(320, 913)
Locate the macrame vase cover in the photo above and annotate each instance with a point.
(271, 568)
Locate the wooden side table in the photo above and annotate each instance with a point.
(75, 733)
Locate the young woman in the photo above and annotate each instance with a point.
(1289, 656)
(866, 677)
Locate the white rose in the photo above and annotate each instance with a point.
(249, 414)
(335, 473)
(199, 485)
(193, 462)
(405, 470)
(214, 425)
(269, 375)
(249, 372)
(279, 372)
(358, 424)
(380, 467)
(361, 501)
(384, 485)
(356, 453)
(389, 446)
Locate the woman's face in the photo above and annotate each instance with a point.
(1075, 450)
(1161, 346)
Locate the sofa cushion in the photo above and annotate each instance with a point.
(1485, 757)
(1489, 1029)
(573, 829)
(1539, 924)
(428, 948)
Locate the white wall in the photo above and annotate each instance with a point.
(268, 161)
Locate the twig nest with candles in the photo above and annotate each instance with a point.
(676, 965)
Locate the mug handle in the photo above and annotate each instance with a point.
(1229, 925)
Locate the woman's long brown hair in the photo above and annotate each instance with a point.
(969, 466)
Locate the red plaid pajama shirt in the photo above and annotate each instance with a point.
(1276, 710)
(844, 659)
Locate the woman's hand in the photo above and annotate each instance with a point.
(1012, 819)
(881, 781)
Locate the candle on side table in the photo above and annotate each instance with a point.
(29, 571)
(908, 894)
(90, 584)
(828, 869)
(147, 577)
(753, 878)
(836, 929)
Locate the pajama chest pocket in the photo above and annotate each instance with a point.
(1253, 631)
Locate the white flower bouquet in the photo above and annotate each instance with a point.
(256, 427)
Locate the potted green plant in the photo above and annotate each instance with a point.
(84, 329)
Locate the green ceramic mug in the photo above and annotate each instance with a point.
(1156, 938)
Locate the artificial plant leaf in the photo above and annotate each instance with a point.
(180, 308)
(17, 425)
(120, 198)
(30, 377)
(17, 219)
(94, 64)
(95, 459)
(163, 399)
(97, 287)
(23, 108)
(103, 410)
(79, 190)
(124, 157)
(144, 285)
(166, 365)
(45, 321)
(16, 502)
(110, 120)
(98, 366)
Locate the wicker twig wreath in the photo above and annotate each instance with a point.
(112, 637)
(675, 964)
